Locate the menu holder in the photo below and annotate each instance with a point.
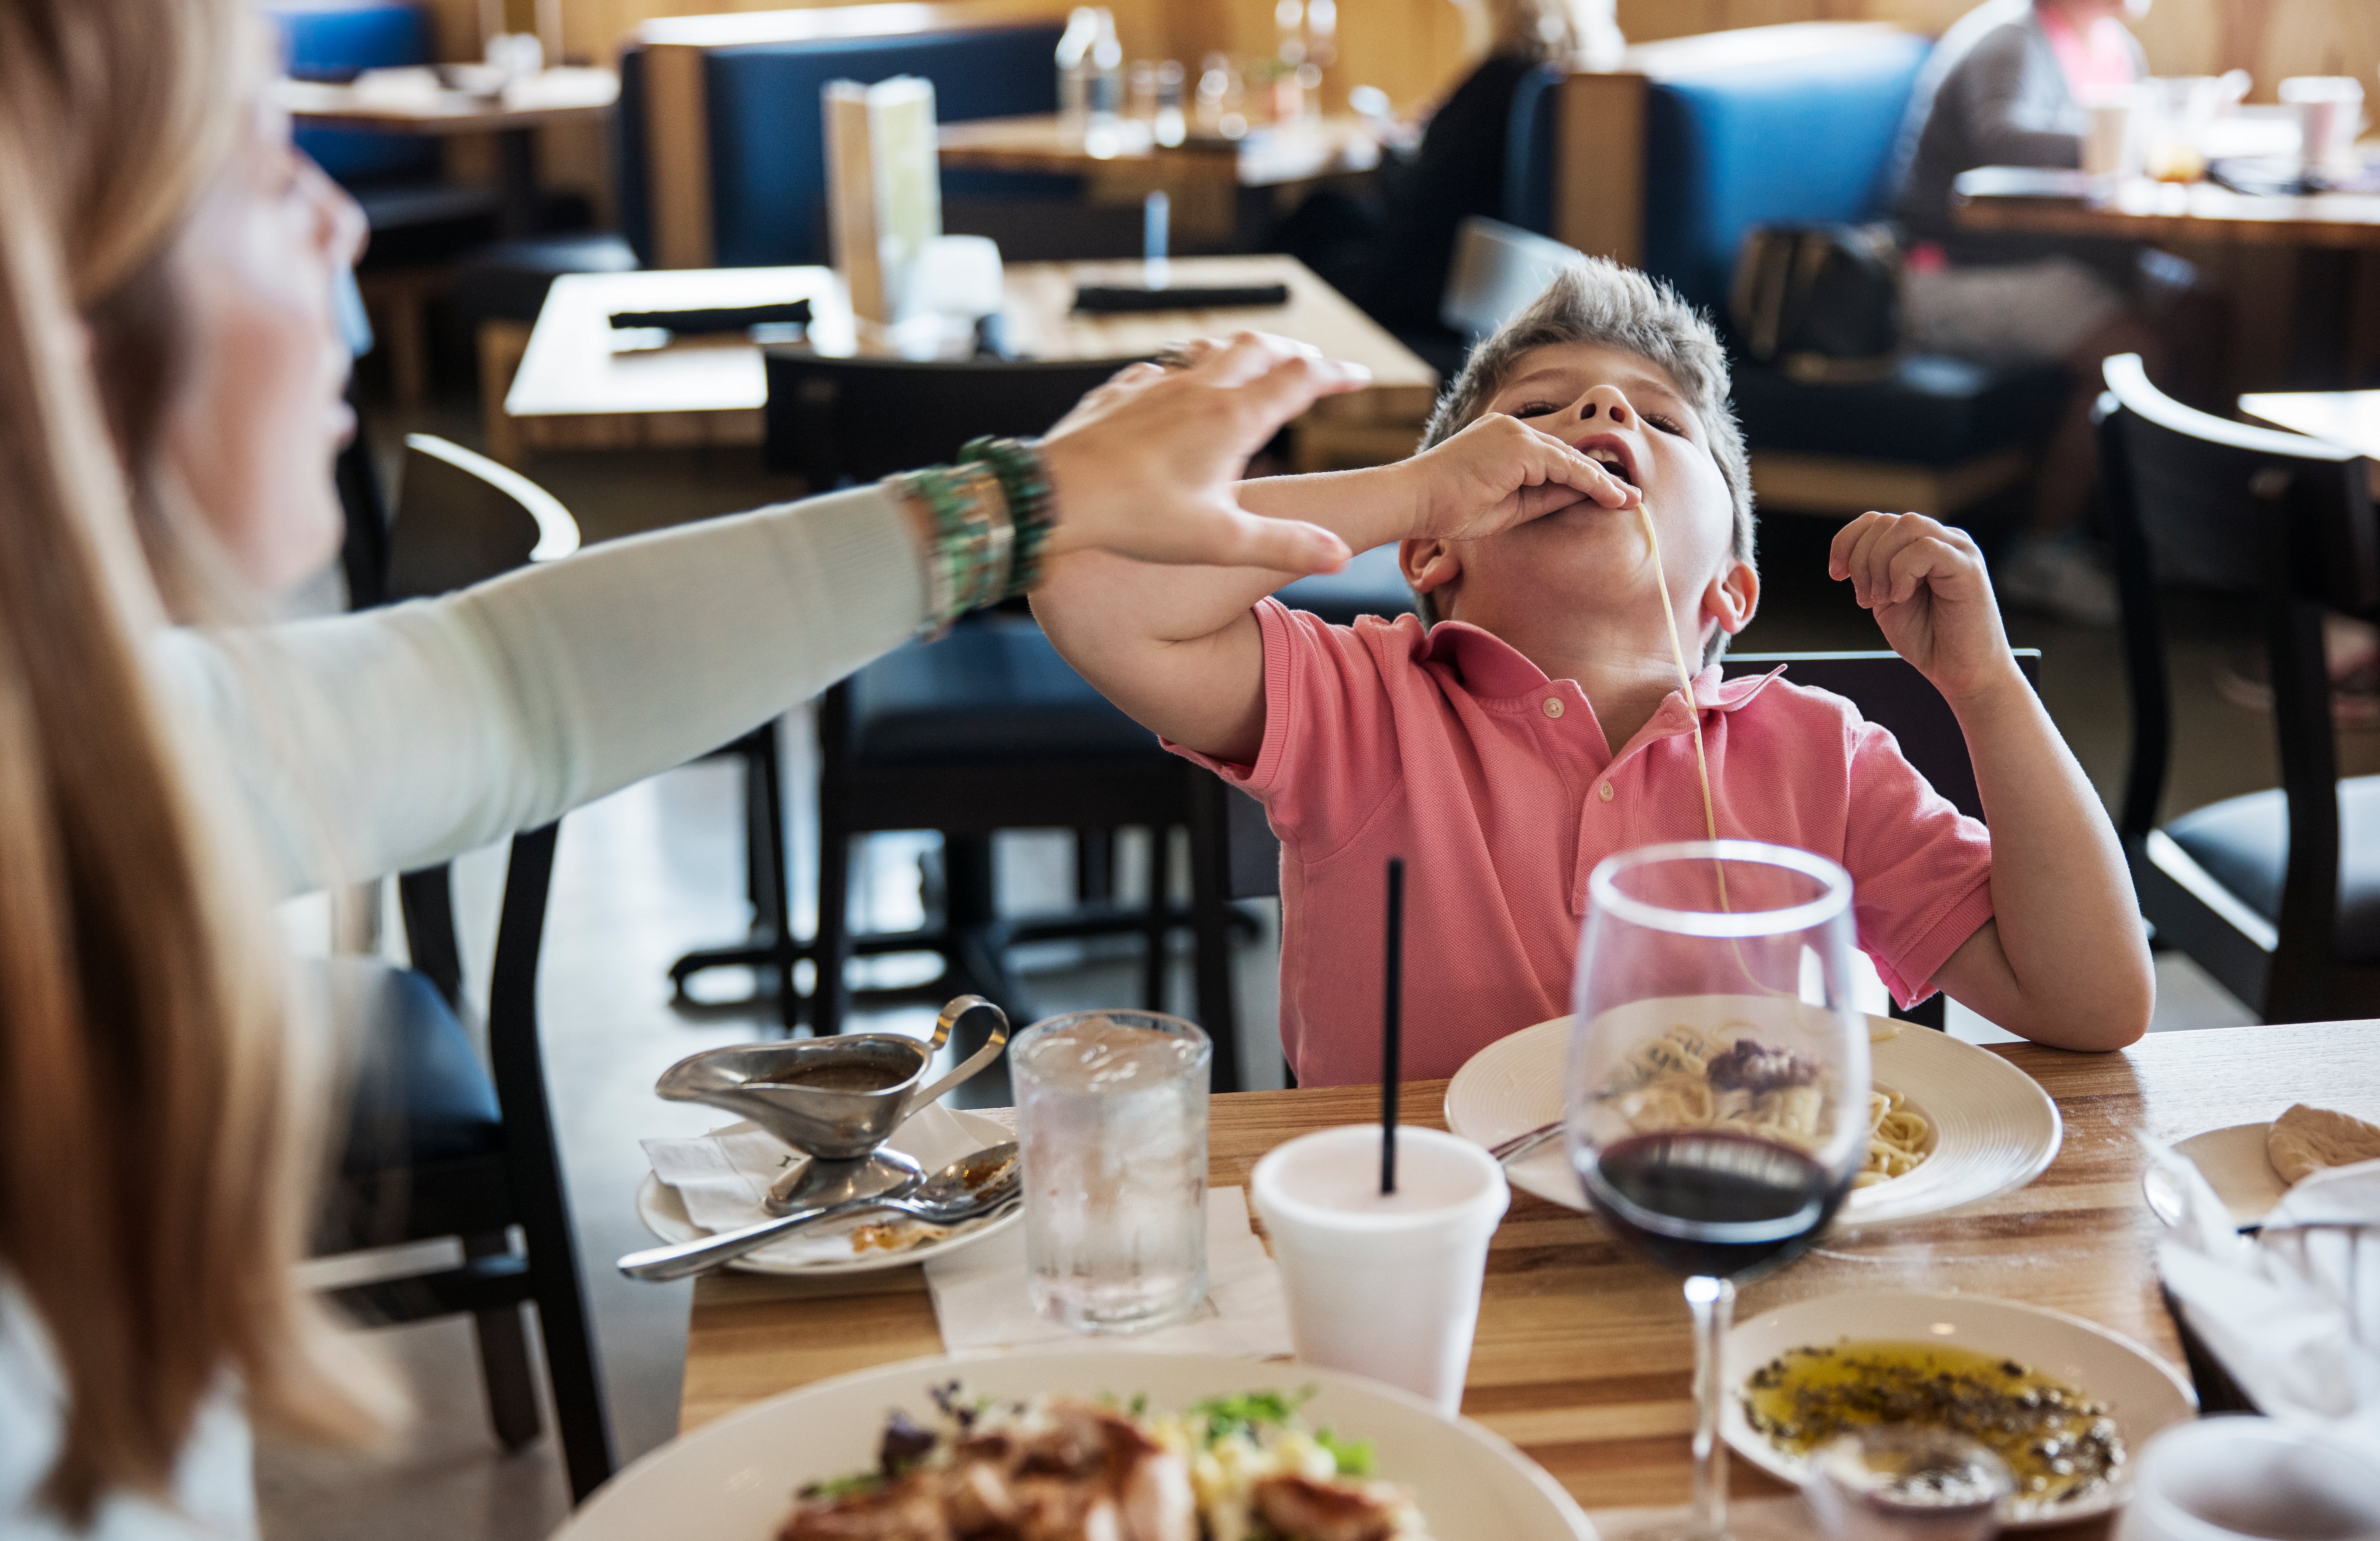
(1108, 298)
(884, 199)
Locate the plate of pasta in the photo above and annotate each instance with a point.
(1949, 1124)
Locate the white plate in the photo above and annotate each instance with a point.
(1995, 1128)
(734, 1480)
(664, 1215)
(2234, 1164)
(2141, 1392)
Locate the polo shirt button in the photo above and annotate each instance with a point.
(1604, 792)
(1553, 706)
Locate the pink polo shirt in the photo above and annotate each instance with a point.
(1453, 750)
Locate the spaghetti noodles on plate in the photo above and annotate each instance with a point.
(1684, 1079)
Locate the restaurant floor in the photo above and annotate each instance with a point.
(655, 869)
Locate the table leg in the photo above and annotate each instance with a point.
(2321, 340)
(517, 157)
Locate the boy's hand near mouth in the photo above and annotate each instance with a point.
(1497, 473)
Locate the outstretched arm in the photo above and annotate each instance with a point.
(395, 738)
(2065, 959)
(1178, 647)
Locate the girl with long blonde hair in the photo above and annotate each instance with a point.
(171, 398)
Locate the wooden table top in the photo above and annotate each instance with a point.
(575, 367)
(2348, 418)
(416, 104)
(1584, 1353)
(2140, 210)
(1269, 155)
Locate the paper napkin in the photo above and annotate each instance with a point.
(980, 1301)
(2293, 1314)
(723, 1176)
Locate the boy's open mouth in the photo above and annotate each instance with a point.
(1611, 451)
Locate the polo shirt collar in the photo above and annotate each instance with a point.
(1492, 669)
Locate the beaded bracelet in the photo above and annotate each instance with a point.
(1017, 462)
(974, 538)
(992, 518)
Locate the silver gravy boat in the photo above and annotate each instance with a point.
(837, 1099)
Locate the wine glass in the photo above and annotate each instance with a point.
(1717, 1087)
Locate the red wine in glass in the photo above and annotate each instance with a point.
(1718, 1204)
(1717, 1083)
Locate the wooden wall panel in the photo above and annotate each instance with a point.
(1417, 49)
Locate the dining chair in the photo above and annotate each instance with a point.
(438, 1143)
(1497, 270)
(984, 730)
(834, 420)
(1888, 689)
(2277, 894)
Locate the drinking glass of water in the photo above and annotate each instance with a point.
(1717, 1087)
(1112, 1124)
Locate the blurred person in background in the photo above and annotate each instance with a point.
(171, 400)
(2010, 83)
(1389, 251)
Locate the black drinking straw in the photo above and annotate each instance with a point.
(1392, 1026)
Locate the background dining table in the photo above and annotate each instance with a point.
(423, 108)
(581, 386)
(2308, 273)
(1584, 1353)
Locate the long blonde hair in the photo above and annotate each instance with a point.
(159, 1124)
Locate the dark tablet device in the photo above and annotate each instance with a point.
(735, 319)
(1104, 298)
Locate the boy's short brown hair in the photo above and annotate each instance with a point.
(1593, 300)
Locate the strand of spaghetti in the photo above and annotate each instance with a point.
(1686, 681)
(1702, 765)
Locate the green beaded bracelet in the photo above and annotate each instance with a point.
(1017, 464)
(971, 564)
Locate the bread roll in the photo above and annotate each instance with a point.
(2305, 1140)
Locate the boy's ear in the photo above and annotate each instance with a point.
(1733, 596)
(1428, 565)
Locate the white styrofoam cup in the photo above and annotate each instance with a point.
(1385, 1287)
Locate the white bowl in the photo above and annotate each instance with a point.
(2142, 1393)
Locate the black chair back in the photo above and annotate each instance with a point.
(462, 518)
(1890, 692)
(836, 420)
(1498, 268)
(2289, 515)
(2260, 888)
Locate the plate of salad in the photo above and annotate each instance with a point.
(1104, 1445)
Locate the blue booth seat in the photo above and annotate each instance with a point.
(1810, 141)
(1795, 141)
(1805, 136)
(767, 135)
(336, 40)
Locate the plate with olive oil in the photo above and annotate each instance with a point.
(2064, 1402)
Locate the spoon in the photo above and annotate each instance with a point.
(974, 1185)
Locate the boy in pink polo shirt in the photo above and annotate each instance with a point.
(1531, 722)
